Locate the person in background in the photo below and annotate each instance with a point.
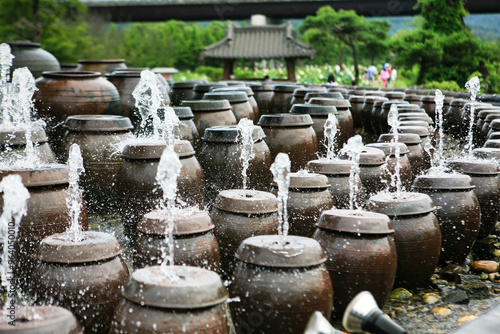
(394, 75)
(331, 80)
(372, 71)
(384, 76)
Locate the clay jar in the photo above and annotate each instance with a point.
(366, 111)
(220, 159)
(85, 276)
(429, 104)
(263, 94)
(240, 214)
(40, 320)
(201, 88)
(391, 160)
(187, 129)
(394, 95)
(346, 125)
(413, 99)
(282, 98)
(338, 172)
(194, 240)
(292, 134)
(183, 90)
(488, 121)
(99, 137)
(319, 115)
(361, 254)
(484, 175)
(479, 138)
(174, 300)
(47, 214)
(30, 54)
(136, 185)
(458, 212)
(421, 131)
(63, 94)
(238, 100)
(299, 94)
(488, 153)
(419, 159)
(208, 113)
(417, 235)
(357, 102)
(13, 144)
(372, 170)
(101, 65)
(125, 83)
(384, 112)
(251, 98)
(466, 115)
(279, 286)
(452, 120)
(308, 196)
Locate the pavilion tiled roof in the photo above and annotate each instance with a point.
(259, 42)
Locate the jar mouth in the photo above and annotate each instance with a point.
(71, 74)
(101, 61)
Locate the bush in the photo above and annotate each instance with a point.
(212, 73)
(451, 86)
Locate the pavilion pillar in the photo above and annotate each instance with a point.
(290, 68)
(228, 69)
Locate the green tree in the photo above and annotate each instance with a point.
(443, 16)
(376, 43)
(326, 46)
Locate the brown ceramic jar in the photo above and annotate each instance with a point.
(328, 95)
(478, 135)
(201, 88)
(384, 112)
(488, 153)
(251, 98)
(361, 254)
(452, 120)
(36, 59)
(413, 99)
(238, 100)
(101, 65)
(219, 157)
(136, 185)
(458, 212)
(13, 144)
(263, 94)
(208, 113)
(279, 287)
(240, 214)
(357, 102)
(466, 116)
(346, 125)
(428, 103)
(194, 241)
(63, 94)
(319, 115)
(484, 175)
(366, 111)
(391, 160)
(421, 131)
(308, 196)
(485, 130)
(153, 302)
(86, 277)
(394, 95)
(373, 171)
(292, 134)
(417, 235)
(99, 138)
(299, 94)
(187, 129)
(40, 320)
(282, 98)
(47, 214)
(183, 90)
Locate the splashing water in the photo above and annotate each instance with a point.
(245, 127)
(331, 129)
(473, 87)
(5, 64)
(170, 122)
(74, 199)
(281, 175)
(15, 197)
(394, 123)
(353, 149)
(439, 99)
(148, 98)
(169, 169)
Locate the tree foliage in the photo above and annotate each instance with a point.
(443, 16)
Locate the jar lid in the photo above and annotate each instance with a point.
(407, 138)
(205, 87)
(187, 221)
(176, 287)
(123, 73)
(189, 84)
(330, 167)
(371, 156)
(306, 180)
(494, 143)
(395, 95)
(422, 131)
(257, 87)
(474, 167)
(183, 112)
(231, 96)
(409, 204)
(49, 175)
(183, 148)
(98, 123)
(341, 90)
(374, 93)
(313, 109)
(390, 148)
(285, 120)
(246, 201)
(428, 99)
(388, 104)
(458, 102)
(10, 135)
(144, 149)
(417, 114)
(494, 135)
(286, 88)
(357, 98)
(245, 89)
(41, 320)
(412, 97)
(414, 123)
(101, 61)
(23, 44)
(444, 181)
(483, 113)
(266, 250)
(487, 153)
(339, 103)
(358, 221)
(330, 95)
(491, 117)
(404, 108)
(230, 134)
(71, 75)
(94, 246)
(207, 105)
(370, 99)
(301, 92)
